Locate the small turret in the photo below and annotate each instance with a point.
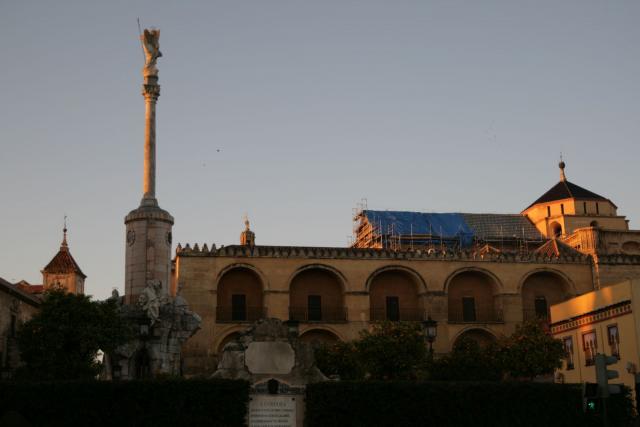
(247, 237)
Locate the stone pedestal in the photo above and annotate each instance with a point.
(148, 250)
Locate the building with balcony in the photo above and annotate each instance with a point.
(602, 321)
(478, 275)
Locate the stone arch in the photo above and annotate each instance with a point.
(256, 270)
(594, 224)
(394, 294)
(316, 294)
(240, 295)
(420, 282)
(540, 289)
(631, 247)
(341, 277)
(227, 338)
(319, 336)
(556, 229)
(483, 336)
(472, 295)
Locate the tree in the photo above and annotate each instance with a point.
(341, 359)
(530, 351)
(62, 340)
(390, 351)
(468, 361)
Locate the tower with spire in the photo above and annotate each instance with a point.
(63, 272)
(148, 227)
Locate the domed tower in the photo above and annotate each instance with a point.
(148, 227)
(566, 207)
(63, 271)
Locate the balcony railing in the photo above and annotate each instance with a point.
(481, 315)
(324, 314)
(403, 314)
(240, 314)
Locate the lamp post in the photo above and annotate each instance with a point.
(431, 332)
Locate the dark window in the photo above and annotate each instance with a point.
(238, 307)
(540, 305)
(12, 331)
(597, 209)
(568, 351)
(393, 309)
(548, 210)
(584, 207)
(614, 340)
(590, 347)
(315, 307)
(468, 309)
(562, 208)
(143, 365)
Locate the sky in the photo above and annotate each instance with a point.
(295, 111)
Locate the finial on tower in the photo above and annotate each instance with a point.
(562, 165)
(247, 237)
(64, 234)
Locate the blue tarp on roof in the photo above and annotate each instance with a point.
(447, 225)
(461, 226)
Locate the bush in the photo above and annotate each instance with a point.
(453, 404)
(131, 403)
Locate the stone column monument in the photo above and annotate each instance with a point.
(148, 228)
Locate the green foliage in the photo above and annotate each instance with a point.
(529, 352)
(339, 358)
(128, 403)
(397, 404)
(468, 361)
(391, 350)
(61, 341)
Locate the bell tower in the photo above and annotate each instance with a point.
(148, 227)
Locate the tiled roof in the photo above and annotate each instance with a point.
(18, 293)
(29, 288)
(567, 190)
(63, 263)
(466, 225)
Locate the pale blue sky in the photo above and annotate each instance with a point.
(416, 105)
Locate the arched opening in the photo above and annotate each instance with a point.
(541, 290)
(239, 296)
(471, 296)
(226, 340)
(632, 248)
(556, 229)
(393, 295)
(318, 337)
(315, 295)
(594, 224)
(480, 336)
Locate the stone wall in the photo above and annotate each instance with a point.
(200, 271)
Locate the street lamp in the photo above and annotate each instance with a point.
(431, 332)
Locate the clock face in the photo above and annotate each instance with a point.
(131, 237)
(169, 237)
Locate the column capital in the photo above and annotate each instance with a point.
(151, 91)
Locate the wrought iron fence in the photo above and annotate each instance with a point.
(402, 314)
(322, 314)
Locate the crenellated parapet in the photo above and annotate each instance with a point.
(315, 252)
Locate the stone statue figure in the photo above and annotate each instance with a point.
(151, 44)
(150, 299)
